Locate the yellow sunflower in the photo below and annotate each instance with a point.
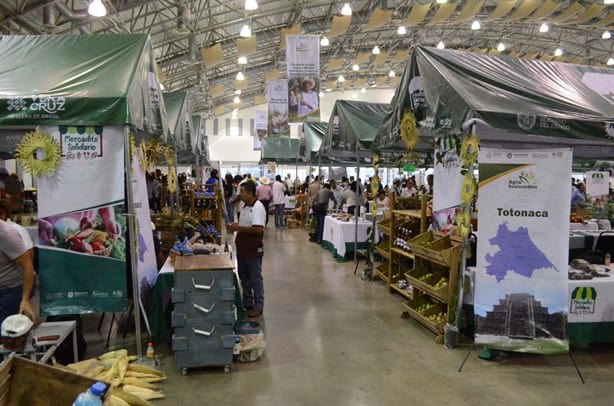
(409, 131)
(468, 189)
(469, 150)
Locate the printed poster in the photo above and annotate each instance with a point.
(261, 124)
(278, 108)
(81, 226)
(521, 284)
(147, 268)
(303, 64)
(597, 184)
(447, 183)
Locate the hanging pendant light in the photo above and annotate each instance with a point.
(240, 76)
(375, 50)
(97, 9)
(246, 32)
(346, 10)
(324, 42)
(251, 5)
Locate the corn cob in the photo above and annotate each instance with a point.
(145, 369)
(143, 393)
(129, 398)
(129, 380)
(117, 401)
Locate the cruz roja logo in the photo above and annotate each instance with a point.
(525, 180)
(583, 300)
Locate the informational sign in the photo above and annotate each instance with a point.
(447, 182)
(303, 63)
(521, 286)
(260, 124)
(278, 108)
(597, 184)
(81, 224)
(147, 268)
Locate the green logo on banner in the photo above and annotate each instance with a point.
(583, 300)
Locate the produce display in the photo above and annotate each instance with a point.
(131, 384)
(441, 284)
(424, 307)
(437, 318)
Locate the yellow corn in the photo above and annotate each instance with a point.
(129, 398)
(145, 369)
(143, 393)
(130, 380)
(117, 401)
(122, 367)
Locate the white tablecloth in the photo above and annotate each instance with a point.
(338, 233)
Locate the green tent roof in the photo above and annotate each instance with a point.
(80, 80)
(281, 149)
(179, 120)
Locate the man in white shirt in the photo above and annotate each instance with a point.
(250, 249)
(279, 201)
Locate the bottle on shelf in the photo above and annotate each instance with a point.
(91, 397)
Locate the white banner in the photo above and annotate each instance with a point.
(147, 269)
(260, 124)
(521, 274)
(303, 64)
(597, 184)
(278, 108)
(447, 182)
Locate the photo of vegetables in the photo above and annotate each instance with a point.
(99, 231)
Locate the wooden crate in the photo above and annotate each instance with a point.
(25, 382)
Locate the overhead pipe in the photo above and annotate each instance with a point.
(49, 17)
(71, 14)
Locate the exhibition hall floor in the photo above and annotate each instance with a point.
(333, 339)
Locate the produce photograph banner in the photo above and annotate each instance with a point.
(521, 285)
(278, 108)
(81, 227)
(147, 269)
(303, 64)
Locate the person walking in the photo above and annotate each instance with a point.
(264, 193)
(279, 201)
(250, 249)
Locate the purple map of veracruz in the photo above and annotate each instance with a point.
(518, 253)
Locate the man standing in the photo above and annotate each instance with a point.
(336, 192)
(250, 248)
(16, 272)
(279, 201)
(264, 193)
(320, 208)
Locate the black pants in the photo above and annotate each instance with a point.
(266, 203)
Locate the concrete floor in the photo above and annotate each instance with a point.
(333, 339)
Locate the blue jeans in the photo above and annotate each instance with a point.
(230, 212)
(250, 273)
(279, 215)
(10, 298)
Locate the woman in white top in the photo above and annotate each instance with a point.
(410, 189)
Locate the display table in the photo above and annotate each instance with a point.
(162, 307)
(581, 241)
(338, 236)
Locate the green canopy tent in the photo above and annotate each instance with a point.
(520, 101)
(180, 121)
(280, 149)
(81, 81)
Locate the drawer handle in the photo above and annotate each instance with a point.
(203, 287)
(203, 332)
(203, 309)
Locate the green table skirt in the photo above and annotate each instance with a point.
(349, 249)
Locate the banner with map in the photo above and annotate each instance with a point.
(521, 273)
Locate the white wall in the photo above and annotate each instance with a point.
(235, 148)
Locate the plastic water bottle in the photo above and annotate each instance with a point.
(92, 396)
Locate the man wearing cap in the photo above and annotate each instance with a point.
(264, 193)
(16, 272)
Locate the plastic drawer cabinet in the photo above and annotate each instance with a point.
(203, 311)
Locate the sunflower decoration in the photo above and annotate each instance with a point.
(469, 150)
(39, 153)
(409, 131)
(463, 223)
(142, 153)
(172, 174)
(468, 189)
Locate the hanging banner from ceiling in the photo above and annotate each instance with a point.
(303, 63)
(81, 226)
(260, 124)
(521, 282)
(278, 108)
(447, 183)
(597, 184)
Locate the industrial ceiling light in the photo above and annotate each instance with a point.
(606, 35)
(501, 47)
(544, 28)
(238, 92)
(240, 76)
(476, 25)
(558, 52)
(375, 50)
(441, 45)
(242, 60)
(97, 9)
(324, 42)
(246, 32)
(340, 79)
(363, 90)
(251, 5)
(610, 61)
(236, 100)
(346, 10)
(355, 67)
(442, 1)
(391, 74)
(162, 86)
(401, 30)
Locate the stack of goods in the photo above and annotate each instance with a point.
(131, 384)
